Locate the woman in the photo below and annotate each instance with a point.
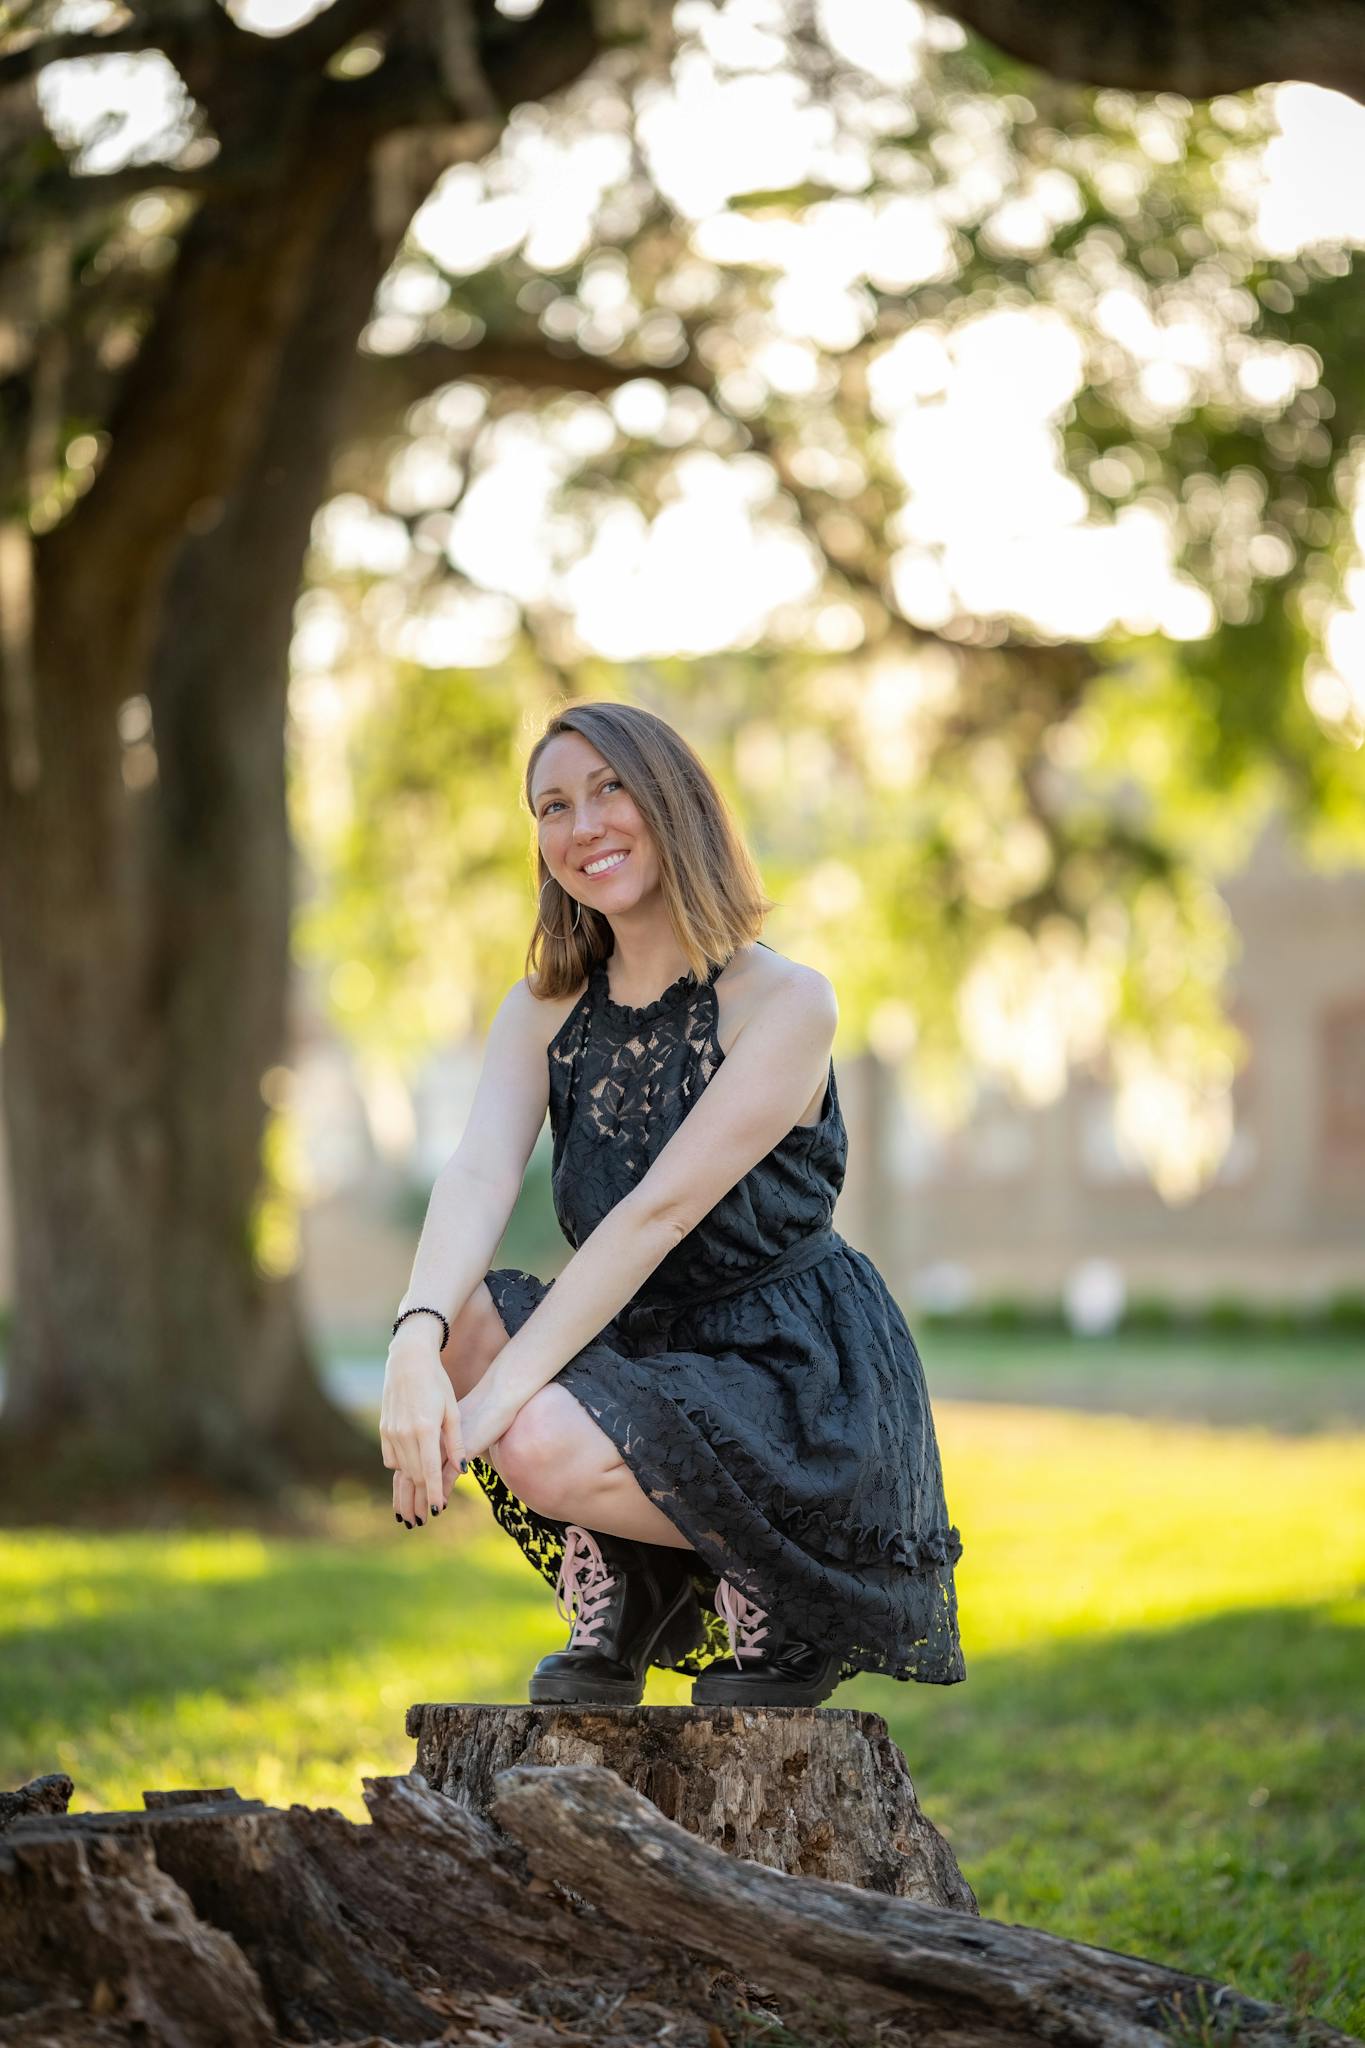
(711, 1432)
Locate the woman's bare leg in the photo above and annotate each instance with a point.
(552, 1454)
(619, 1506)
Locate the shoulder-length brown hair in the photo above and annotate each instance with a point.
(707, 876)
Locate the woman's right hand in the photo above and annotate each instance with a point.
(419, 1430)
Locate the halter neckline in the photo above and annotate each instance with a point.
(634, 1013)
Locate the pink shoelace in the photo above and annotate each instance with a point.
(741, 1614)
(585, 1579)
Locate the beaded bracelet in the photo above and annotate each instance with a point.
(425, 1312)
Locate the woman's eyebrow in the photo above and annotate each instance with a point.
(555, 790)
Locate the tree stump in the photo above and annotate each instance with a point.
(814, 1791)
(572, 1914)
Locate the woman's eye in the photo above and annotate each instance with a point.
(610, 783)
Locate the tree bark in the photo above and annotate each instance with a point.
(816, 1792)
(220, 875)
(575, 1912)
(1174, 46)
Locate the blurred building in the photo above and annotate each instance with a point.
(1017, 1202)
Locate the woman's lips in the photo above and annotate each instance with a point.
(602, 873)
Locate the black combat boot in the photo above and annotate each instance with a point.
(783, 1671)
(634, 1604)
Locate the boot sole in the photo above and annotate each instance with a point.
(678, 1632)
(722, 1690)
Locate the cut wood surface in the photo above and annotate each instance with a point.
(573, 1913)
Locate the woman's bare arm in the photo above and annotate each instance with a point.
(476, 1191)
(471, 1201)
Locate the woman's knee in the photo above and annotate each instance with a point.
(534, 1454)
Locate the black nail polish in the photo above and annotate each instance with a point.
(464, 1464)
(406, 1523)
(436, 1511)
(396, 1516)
(418, 1520)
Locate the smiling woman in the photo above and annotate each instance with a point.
(711, 1432)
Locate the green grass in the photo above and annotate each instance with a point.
(1159, 1747)
(1291, 1383)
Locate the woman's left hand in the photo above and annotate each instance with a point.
(486, 1412)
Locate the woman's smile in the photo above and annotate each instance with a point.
(613, 861)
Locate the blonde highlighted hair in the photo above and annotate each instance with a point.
(708, 877)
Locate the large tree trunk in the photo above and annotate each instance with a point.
(144, 925)
(220, 871)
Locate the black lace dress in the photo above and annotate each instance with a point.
(762, 1385)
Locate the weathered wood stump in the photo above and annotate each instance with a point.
(572, 1913)
(815, 1791)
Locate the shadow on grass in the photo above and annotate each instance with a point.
(162, 1617)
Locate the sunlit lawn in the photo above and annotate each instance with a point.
(1160, 1746)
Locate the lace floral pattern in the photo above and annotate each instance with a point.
(763, 1386)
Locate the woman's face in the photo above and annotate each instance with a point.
(583, 813)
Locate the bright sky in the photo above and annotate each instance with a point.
(992, 525)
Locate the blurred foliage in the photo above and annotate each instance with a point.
(273, 1232)
(1004, 850)
(1002, 840)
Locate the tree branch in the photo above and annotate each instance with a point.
(190, 404)
(522, 60)
(319, 40)
(386, 385)
(35, 56)
(184, 31)
(181, 25)
(64, 195)
(1195, 47)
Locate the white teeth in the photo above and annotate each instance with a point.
(601, 867)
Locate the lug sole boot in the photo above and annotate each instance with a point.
(631, 1605)
(783, 1671)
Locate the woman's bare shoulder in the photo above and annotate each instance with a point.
(760, 970)
(544, 1015)
(756, 975)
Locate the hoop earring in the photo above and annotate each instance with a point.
(577, 913)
